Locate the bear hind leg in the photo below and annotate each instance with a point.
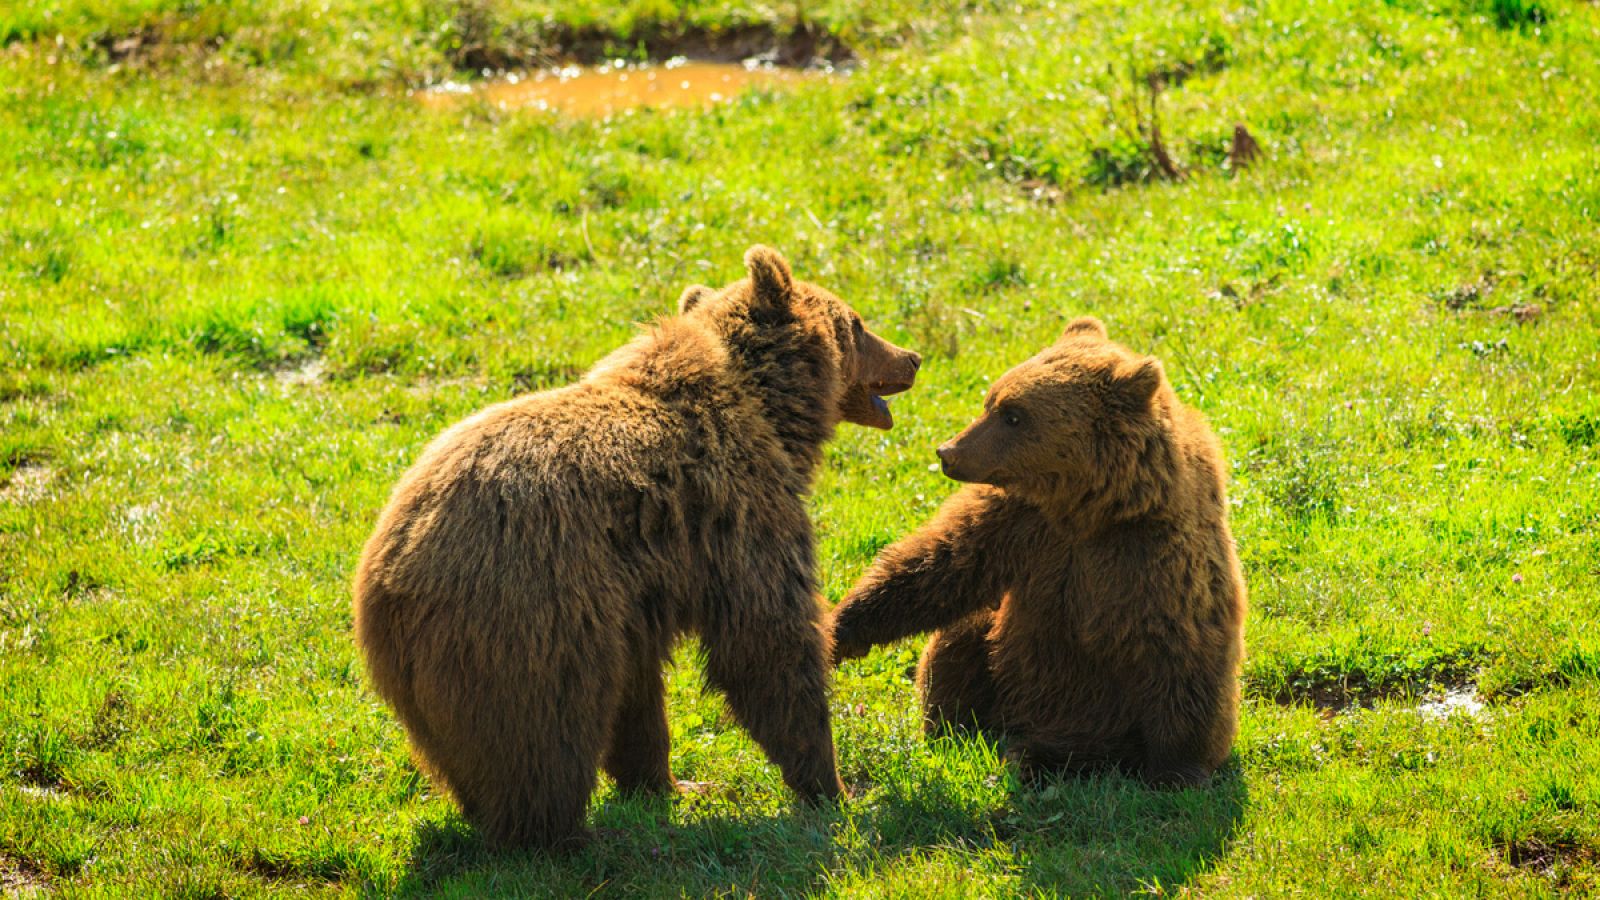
(1187, 729)
(521, 751)
(548, 817)
(639, 756)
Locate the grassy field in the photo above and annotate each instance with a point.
(244, 277)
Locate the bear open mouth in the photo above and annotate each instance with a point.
(877, 414)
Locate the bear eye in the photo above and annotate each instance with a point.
(1011, 418)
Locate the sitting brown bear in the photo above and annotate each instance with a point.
(1084, 587)
(531, 572)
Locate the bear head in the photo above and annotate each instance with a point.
(1055, 425)
(869, 368)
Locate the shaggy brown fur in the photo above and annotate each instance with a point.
(528, 578)
(1084, 587)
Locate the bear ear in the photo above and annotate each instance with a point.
(1084, 325)
(1139, 380)
(769, 276)
(692, 297)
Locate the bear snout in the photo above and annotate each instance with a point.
(966, 462)
(886, 368)
(949, 461)
(900, 373)
(910, 364)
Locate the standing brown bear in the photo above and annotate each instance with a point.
(531, 572)
(1084, 587)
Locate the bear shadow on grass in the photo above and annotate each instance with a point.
(1068, 834)
(1093, 834)
(636, 849)
(1113, 834)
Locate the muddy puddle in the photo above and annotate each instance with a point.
(612, 87)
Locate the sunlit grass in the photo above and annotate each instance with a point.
(240, 290)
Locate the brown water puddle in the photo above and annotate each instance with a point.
(606, 89)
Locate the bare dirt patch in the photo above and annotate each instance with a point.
(142, 522)
(155, 43)
(1461, 701)
(308, 372)
(110, 722)
(42, 779)
(1554, 858)
(1336, 686)
(26, 483)
(1521, 313)
(1473, 297)
(18, 878)
(1469, 295)
(1042, 190)
(428, 386)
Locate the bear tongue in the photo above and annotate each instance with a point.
(882, 417)
(862, 406)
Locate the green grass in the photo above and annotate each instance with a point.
(244, 278)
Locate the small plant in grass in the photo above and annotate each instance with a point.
(44, 757)
(1138, 150)
(478, 37)
(1519, 15)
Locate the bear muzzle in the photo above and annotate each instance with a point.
(883, 371)
(971, 457)
(950, 462)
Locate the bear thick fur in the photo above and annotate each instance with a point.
(1083, 589)
(530, 574)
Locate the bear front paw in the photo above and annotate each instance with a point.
(1029, 772)
(844, 649)
(829, 790)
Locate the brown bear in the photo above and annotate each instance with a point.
(530, 574)
(1083, 588)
